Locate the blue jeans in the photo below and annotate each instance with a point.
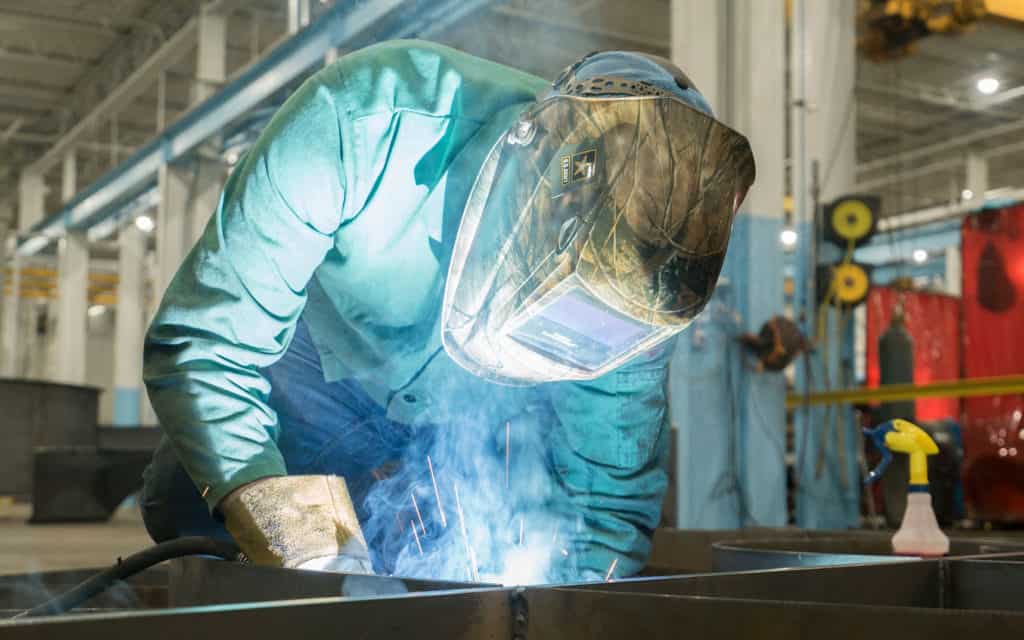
(326, 428)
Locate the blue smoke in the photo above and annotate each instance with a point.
(474, 526)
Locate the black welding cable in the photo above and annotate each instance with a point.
(127, 567)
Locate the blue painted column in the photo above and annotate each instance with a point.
(729, 417)
(827, 441)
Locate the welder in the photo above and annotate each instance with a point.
(417, 227)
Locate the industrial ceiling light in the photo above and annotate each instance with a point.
(920, 256)
(96, 310)
(966, 194)
(988, 85)
(145, 223)
(788, 238)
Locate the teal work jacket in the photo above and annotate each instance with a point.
(344, 212)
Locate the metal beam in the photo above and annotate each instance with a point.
(11, 130)
(906, 174)
(20, 20)
(38, 92)
(952, 162)
(1001, 197)
(19, 57)
(345, 24)
(936, 97)
(39, 139)
(949, 144)
(180, 44)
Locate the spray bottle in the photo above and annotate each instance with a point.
(919, 534)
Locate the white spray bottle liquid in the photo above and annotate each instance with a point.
(919, 534)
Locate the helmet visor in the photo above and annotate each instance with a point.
(596, 228)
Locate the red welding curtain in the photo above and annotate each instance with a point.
(933, 321)
(993, 287)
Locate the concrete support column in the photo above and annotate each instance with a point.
(130, 327)
(823, 69)
(69, 176)
(152, 302)
(11, 316)
(207, 183)
(730, 419)
(954, 271)
(976, 179)
(72, 304)
(31, 200)
(172, 229)
(298, 15)
(975, 185)
(53, 364)
(211, 58)
(10, 284)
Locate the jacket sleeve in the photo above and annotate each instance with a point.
(610, 452)
(231, 308)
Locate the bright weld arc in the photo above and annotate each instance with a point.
(418, 516)
(465, 535)
(611, 569)
(412, 525)
(437, 493)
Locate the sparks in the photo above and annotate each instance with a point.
(508, 449)
(465, 535)
(412, 525)
(437, 493)
(611, 569)
(420, 517)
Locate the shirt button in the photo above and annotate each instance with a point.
(410, 398)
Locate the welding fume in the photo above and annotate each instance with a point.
(426, 331)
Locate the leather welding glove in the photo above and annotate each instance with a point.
(297, 522)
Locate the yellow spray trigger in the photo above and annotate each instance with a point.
(906, 437)
(919, 532)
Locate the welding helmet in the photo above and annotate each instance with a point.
(596, 227)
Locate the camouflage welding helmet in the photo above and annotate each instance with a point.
(596, 228)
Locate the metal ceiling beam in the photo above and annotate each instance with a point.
(11, 130)
(20, 57)
(19, 20)
(350, 25)
(30, 92)
(949, 144)
(172, 51)
(176, 47)
(952, 162)
(935, 97)
(88, 146)
(908, 174)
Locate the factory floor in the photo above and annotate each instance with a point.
(44, 547)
